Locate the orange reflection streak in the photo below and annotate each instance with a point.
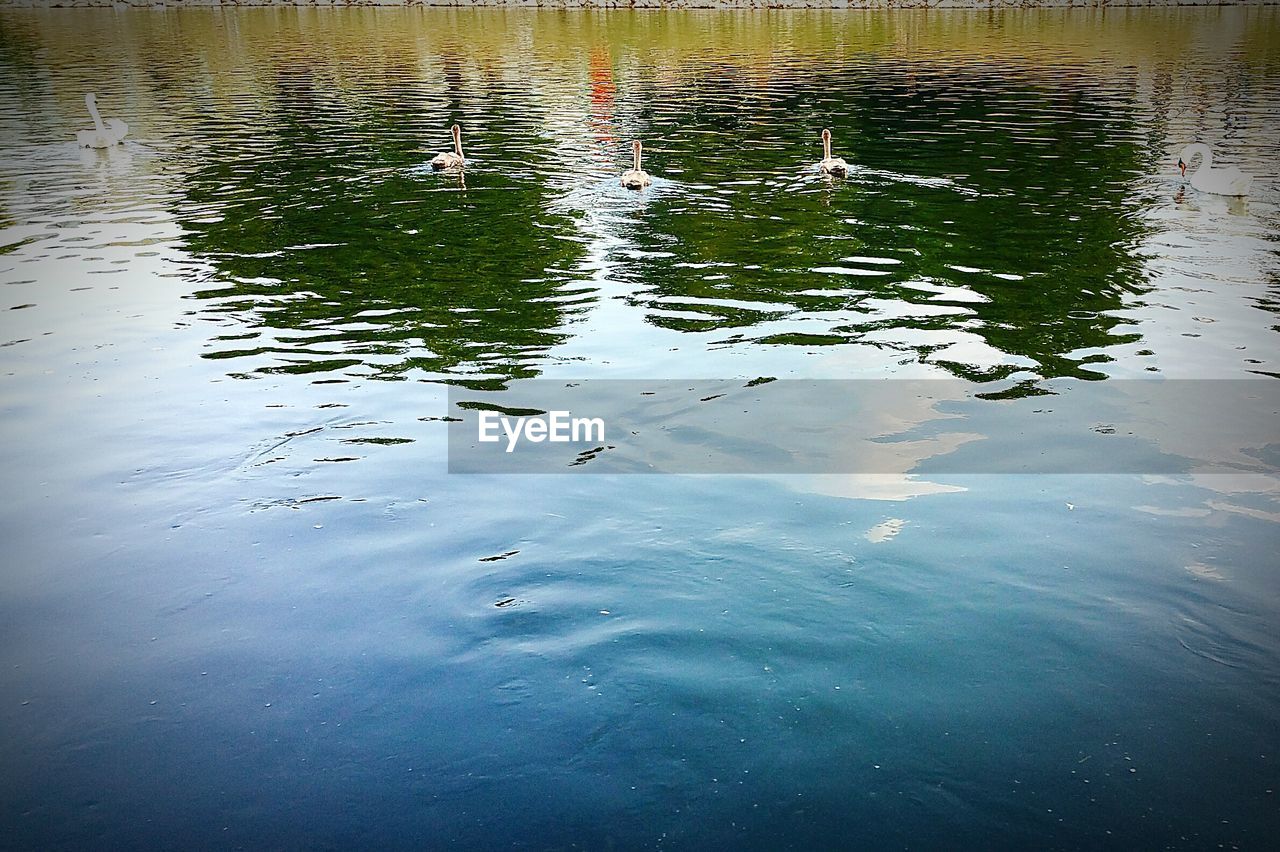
(603, 93)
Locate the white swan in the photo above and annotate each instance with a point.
(1219, 181)
(635, 178)
(831, 165)
(450, 159)
(102, 135)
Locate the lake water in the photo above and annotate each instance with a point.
(244, 603)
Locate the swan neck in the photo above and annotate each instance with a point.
(1205, 152)
(92, 104)
(826, 147)
(635, 151)
(457, 143)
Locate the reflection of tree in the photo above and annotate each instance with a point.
(342, 254)
(1053, 211)
(325, 222)
(18, 46)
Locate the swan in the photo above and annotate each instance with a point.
(102, 135)
(635, 178)
(831, 165)
(450, 159)
(1219, 181)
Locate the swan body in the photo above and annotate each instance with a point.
(635, 178)
(1207, 178)
(450, 159)
(103, 135)
(831, 165)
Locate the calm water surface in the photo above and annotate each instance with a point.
(243, 604)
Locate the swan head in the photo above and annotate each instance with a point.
(826, 135)
(456, 131)
(1190, 152)
(635, 148)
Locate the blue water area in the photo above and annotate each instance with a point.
(245, 604)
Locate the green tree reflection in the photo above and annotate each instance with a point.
(1024, 231)
(340, 250)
